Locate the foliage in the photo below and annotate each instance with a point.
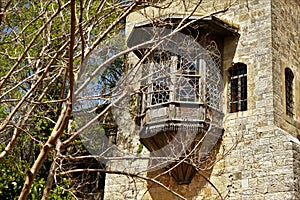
(34, 80)
(43, 49)
(12, 179)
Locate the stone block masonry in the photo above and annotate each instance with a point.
(263, 160)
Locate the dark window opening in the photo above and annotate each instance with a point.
(238, 88)
(289, 77)
(161, 93)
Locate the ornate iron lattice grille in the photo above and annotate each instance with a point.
(187, 81)
(160, 77)
(171, 77)
(213, 76)
(289, 96)
(238, 87)
(156, 80)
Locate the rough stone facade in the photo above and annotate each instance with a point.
(265, 160)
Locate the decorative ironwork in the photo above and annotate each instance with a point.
(181, 89)
(188, 88)
(289, 96)
(213, 76)
(160, 92)
(173, 78)
(187, 81)
(157, 69)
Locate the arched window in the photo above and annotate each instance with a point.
(238, 87)
(289, 97)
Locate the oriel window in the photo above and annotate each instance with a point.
(238, 87)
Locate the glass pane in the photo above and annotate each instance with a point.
(243, 87)
(187, 89)
(234, 90)
(243, 105)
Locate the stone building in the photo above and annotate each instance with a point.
(255, 49)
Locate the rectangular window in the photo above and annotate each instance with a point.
(187, 81)
(238, 88)
(160, 70)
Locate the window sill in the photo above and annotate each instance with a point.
(234, 115)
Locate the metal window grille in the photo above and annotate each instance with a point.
(187, 81)
(238, 87)
(213, 76)
(160, 92)
(160, 77)
(170, 77)
(289, 96)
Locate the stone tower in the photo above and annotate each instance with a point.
(259, 46)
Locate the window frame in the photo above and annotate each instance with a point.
(160, 87)
(238, 91)
(289, 92)
(187, 73)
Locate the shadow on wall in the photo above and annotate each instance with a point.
(198, 184)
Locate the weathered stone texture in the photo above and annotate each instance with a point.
(265, 160)
(286, 54)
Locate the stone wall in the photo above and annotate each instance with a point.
(262, 152)
(124, 186)
(286, 54)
